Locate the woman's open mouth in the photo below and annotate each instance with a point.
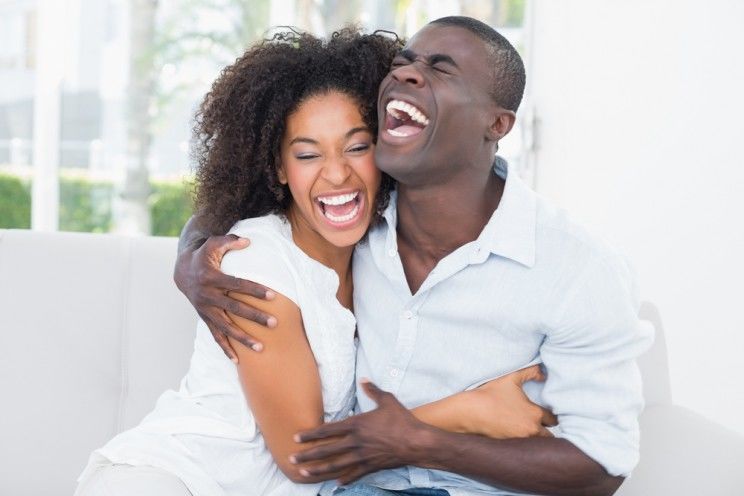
(341, 210)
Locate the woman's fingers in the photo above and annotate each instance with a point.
(548, 418)
(532, 373)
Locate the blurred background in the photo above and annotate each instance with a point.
(632, 121)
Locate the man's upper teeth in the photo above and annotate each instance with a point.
(338, 199)
(409, 109)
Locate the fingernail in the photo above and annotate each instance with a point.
(364, 380)
(257, 347)
(293, 459)
(271, 322)
(304, 472)
(270, 294)
(234, 360)
(297, 438)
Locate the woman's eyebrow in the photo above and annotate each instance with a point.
(349, 134)
(302, 139)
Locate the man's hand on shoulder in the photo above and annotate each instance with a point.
(197, 274)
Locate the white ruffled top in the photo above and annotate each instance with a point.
(205, 433)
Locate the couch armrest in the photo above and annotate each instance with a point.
(685, 454)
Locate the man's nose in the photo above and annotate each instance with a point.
(408, 74)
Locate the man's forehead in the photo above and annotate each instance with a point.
(443, 39)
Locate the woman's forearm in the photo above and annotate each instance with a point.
(450, 413)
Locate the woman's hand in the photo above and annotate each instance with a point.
(500, 409)
(197, 274)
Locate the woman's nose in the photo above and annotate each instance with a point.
(337, 171)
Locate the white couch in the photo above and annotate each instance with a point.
(92, 330)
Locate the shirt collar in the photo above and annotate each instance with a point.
(510, 232)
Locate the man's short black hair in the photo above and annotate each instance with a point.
(508, 77)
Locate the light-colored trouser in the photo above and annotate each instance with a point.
(128, 480)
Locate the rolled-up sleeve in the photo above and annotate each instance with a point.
(590, 351)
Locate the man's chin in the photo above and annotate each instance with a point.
(394, 162)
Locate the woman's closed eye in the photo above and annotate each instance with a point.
(359, 148)
(306, 156)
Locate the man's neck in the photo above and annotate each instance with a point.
(433, 221)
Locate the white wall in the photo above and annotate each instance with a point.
(642, 124)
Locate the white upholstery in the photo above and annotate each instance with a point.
(92, 329)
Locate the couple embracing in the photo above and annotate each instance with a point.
(409, 317)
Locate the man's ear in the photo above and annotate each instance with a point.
(502, 122)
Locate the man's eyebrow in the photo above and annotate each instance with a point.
(351, 132)
(432, 59)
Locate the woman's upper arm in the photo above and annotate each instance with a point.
(281, 383)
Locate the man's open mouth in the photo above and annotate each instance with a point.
(403, 119)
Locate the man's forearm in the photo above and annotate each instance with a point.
(193, 235)
(549, 466)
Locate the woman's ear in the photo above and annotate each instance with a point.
(281, 175)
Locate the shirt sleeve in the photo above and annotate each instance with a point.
(593, 382)
(267, 261)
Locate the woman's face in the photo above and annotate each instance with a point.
(327, 160)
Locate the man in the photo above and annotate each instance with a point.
(471, 276)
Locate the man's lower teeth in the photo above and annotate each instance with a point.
(396, 133)
(342, 218)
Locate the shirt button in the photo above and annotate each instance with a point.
(408, 315)
(391, 252)
(394, 373)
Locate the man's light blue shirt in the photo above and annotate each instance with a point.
(533, 288)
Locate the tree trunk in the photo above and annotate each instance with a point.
(132, 213)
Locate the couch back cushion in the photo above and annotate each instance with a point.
(92, 330)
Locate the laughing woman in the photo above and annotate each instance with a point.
(285, 157)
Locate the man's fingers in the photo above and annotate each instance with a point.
(548, 418)
(376, 394)
(321, 452)
(226, 327)
(217, 246)
(244, 310)
(332, 467)
(224, 344)
(249, 288)
(332, 429)
(235, 242)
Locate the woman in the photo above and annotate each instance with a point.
(286, 139)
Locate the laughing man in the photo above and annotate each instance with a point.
(470, 276)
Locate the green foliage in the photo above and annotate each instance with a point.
(85, 205)
(15, 203)
(170, 207)
(514, 13)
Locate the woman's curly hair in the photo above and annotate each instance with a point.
(240, 123)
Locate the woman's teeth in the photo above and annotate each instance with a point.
(338, 199)
(342, 218)
(340, 208)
